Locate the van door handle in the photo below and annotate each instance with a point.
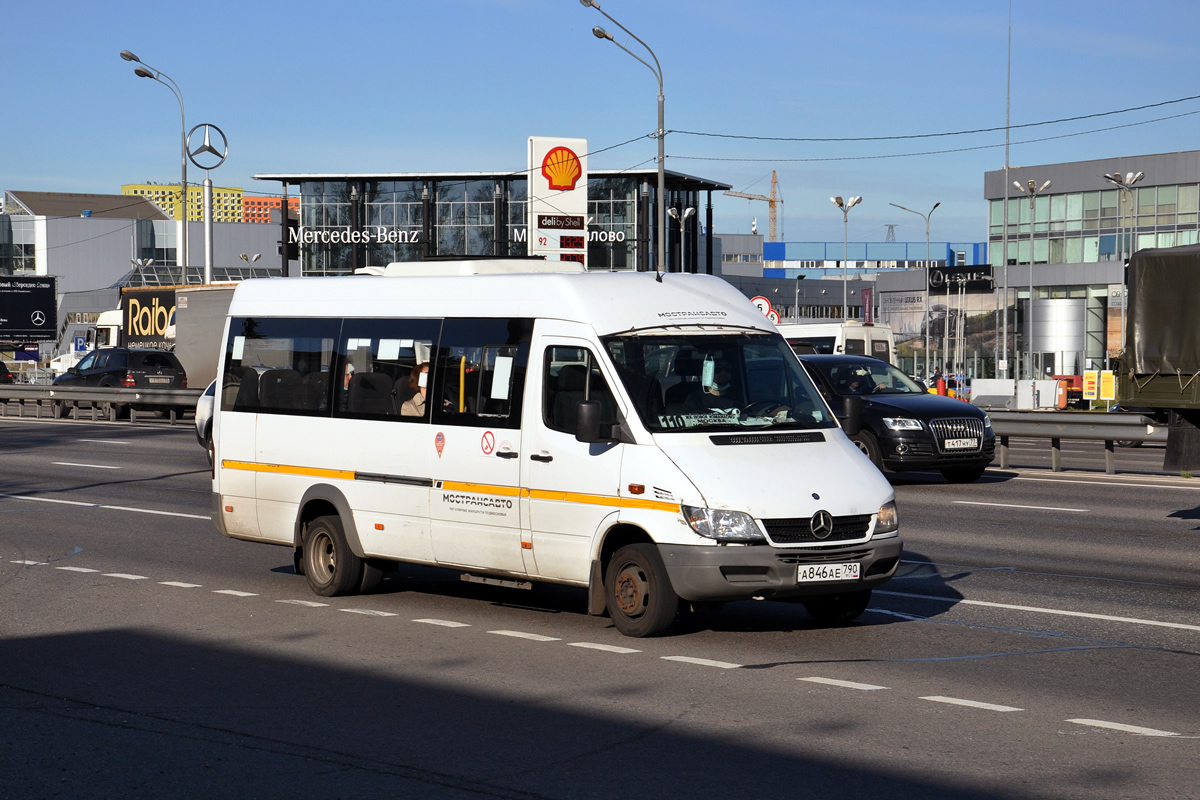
(545, 458)
(507, 454)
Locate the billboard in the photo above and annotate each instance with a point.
(28, 309)
(145, 314)
(558, 199)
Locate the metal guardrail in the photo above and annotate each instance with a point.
(1059, 425)
(94, 399)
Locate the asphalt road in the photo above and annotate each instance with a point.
(1041, 641)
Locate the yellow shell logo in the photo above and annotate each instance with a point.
(562, 168)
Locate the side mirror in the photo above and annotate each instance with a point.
(851, 416)
(587, 421)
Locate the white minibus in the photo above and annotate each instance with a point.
(650, 438)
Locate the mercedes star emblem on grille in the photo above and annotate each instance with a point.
(821, 524)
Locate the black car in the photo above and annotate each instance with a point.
(904, 427)
(6, 375)
(123, 367)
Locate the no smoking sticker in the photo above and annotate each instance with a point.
(488, 443)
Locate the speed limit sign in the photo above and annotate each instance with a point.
(762, 303)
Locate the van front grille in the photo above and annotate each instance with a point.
(799, 530)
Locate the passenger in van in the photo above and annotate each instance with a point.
(417, 380)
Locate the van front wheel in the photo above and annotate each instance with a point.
(638, 592)
(331, 567)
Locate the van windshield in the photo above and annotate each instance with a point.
(730, 381)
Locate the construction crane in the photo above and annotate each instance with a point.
(775, 199)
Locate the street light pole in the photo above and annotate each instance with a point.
(1124, 183)
(147, 71)
(687, 212)
(926, 218)
(845, 206)
(600, 33)
(1032, 190)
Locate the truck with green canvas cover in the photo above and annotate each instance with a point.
(1160, 368)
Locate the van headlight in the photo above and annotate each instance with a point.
(888, 521)
(902, 424)
(722, 525)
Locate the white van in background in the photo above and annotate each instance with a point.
(650, 439)
(841, 338)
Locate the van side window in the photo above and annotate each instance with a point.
(570, 374)
(479, 372)
(377, 361)
(279, 365)
(857, 347)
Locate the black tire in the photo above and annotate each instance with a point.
(866, 442)
(838, 609)
(1126, 443)
(331, 567)
(638, 592)
(963, 474)
(60, 410)
(371, 578)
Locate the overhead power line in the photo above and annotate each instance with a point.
(940, 152)
(935, 135)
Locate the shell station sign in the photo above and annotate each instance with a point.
(558, 199)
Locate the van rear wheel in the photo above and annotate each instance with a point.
(330, 566)
(638, 592)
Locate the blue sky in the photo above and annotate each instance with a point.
(452, 85)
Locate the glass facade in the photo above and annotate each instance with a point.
(352, 223)
(17, 245)
(1089, 227)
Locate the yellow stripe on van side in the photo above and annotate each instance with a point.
(483, 488)
(284, 469)
(473, 488)
(603, 500)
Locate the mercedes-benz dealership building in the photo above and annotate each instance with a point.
(349, 221)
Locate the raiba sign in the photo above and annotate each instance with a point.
(558, 199)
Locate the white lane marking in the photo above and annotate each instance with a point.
(445, 623)
(703, 662)
(1116, 726)
(866, 687)
(1053, 611)
(305, 603)
(89, 466)
(28, 563)
(125, 576)
(533, 637)
(608, 648)
(101, 505)
(234, 593)
(103, 441)
(77, 569)
(368, 612)
(971, 704)
(180, 585)
(1192, 487)
(1014, 505)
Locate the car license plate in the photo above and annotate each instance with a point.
(159, 380)
(818, 573)
(961, 444)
